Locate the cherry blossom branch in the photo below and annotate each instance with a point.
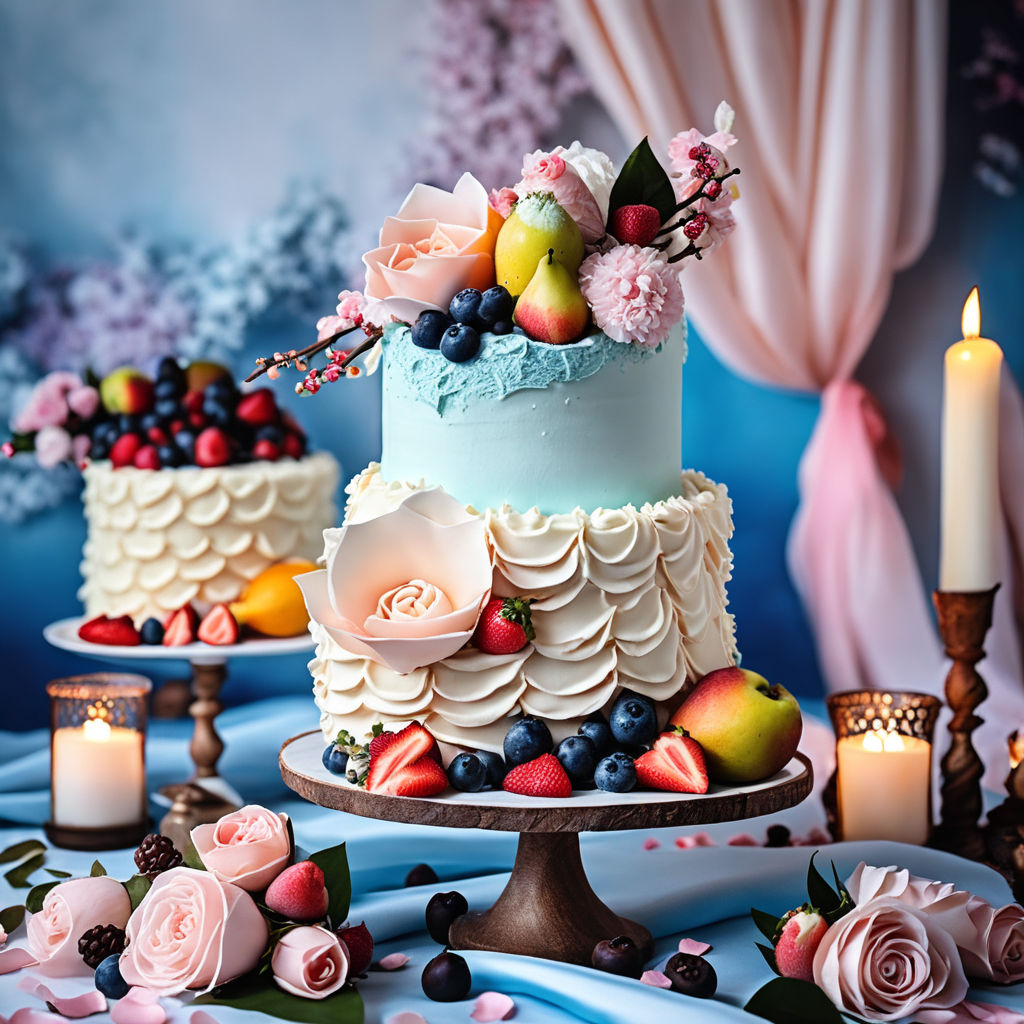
(690, 200)
(283, 359)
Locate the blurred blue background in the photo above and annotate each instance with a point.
(187, 120)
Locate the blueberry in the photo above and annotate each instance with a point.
(170, 455)
(596, 729)
(185, 441)
(460, 342)
(446, 979)
(465, 307)
(168, 369)
(152, 631)
(108, 978)
(219, 408)
(615, 774)
(495, 765)
(578, 757)
(167, 408)
(98, 449)
(105, 431)
(467, 772)
(335, 759)
(222, 387)
(495, 305)
(429, 326)
(633, 719)
(168, 389)
(442, 909)
(127, 424)
(270, 433)
(150, 420)
(503, 327)
(527, 739)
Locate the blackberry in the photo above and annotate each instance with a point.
(100, 942)
(156, 854)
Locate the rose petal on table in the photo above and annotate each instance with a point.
(693, 946)
(27, 1015)
(15, 959)
(392, 962)
(971, 1013)
(83, 1005)
(406, 1017)
(491, 1006)
(698, 839)
(202, 1017)
(651, 844)
(655, 978)
(140, 1006)
(743, 839)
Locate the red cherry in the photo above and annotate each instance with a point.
(122, 452)
(213, 448)
(147, 458)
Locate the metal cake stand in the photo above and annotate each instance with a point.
(548, 908)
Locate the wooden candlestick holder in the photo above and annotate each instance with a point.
(964, 619)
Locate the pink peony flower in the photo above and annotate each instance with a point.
(549, 172)
(47, 404)
(69, 910)
(83, 401)
(52, 445)
(886, 960)
(310, 962)
(441, 553)
(634, 294)
(249, 847)
(438, 243)
(192, 931)
(503, 200)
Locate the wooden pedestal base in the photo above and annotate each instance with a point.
(548, 908)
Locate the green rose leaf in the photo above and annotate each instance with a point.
(11, 918)
(54, 873)
(97, 870)
(137, 886)
(36, 895)
(643, 180)
(19, 851)
(191, 857)
(791, 1001)
(333, 862)
(18, 878)
(259, 994)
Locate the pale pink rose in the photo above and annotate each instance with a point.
(543, 167)
(438, 243)
(192, 931)
(439, 553)
(249, 847)
(886, 960)
(549, 172)
(52, 445)
(83, 401)
(502, 200)
(997, 951)
(69, 910)
(310, 962)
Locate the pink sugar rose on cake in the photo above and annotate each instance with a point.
(550, 172)
(249, 847)
(404, 589)
(438, 243)
(192, 931)
(69, 910)
(310, 962)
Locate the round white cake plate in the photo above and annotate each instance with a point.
(206, 796)
(548, 908)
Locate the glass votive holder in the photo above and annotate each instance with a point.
(98, 761)
(883, 780)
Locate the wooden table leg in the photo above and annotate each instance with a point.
(548, 908)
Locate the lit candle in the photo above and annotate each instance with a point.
(98, 776)
(883, 787)
(970, 449)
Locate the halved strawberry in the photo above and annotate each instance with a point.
(190, 612)
(394, 753)
(424, 777)
(119, 632)
(543, 776)
(675, 763)
(181, 628)
(219, 626)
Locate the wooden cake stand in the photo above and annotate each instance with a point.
(548, 908)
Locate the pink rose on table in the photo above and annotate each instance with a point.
(192, 931)
(550, 172)
(405, 589)
(69, 910)
(997, 951)
(886, 960)
(310, 962)
(438, 243)
(249, 847)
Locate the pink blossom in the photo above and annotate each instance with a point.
(502, 200)
(635, 295)
(8, 449)
(720, 219)
(83, 401)
(53, 445)
(350, 307)
(328, 326)
(47, 405)
(548, 172)
(331, 373)
(680, 146)
(544, 167)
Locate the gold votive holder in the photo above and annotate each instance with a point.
(881, 788)
(98, 761)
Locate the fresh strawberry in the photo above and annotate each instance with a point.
(193, 401)
(505, 626)
(157, 436)
(119, 632)
(146, 458)
(266, 450)
(359, 943)
(213, 448)
(122, 451)
(424, 777)
(196, 420)
(381, 740)
(799, 941)
(293, 445)
(190, 614)
(675, 763)
(181, 629)
(403, 764)
(298, 893)
(177, 426)
(543, 776)
(636, 225)
(218, 627)
(258, 408)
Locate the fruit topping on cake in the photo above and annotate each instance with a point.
(181, 628)
(633, 720)
(578, 757)
(505, 626)
(526, 739)
(616, 773)
(119, 632)
(544, 777)
(404, 764)
(219, 627)
(675, 763)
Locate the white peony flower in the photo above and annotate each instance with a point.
(594, 167)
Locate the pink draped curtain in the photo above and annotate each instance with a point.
(840, 113)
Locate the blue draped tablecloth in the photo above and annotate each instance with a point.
(703, 893)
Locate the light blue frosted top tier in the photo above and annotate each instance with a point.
(593, 424)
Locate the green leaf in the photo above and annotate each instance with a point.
(820, 894)
(18, 877)
(11, 918)
(97, 869)
(54, 873)
(259, 994)
(191, 857)
(791, 1001)
(19, 851)
(34, 899)
(333, 862)
(769, 956)
(767, 924)
(643, 180)
(137, 886)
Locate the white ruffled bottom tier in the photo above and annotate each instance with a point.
(159, 539)
(623, 598)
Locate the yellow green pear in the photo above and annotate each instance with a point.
(537, 223)
(552, 307)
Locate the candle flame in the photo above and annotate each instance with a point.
(97, 730)
(878, 740)
(970, 322)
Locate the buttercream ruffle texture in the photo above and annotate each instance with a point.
(160, 539)
(624, 598)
